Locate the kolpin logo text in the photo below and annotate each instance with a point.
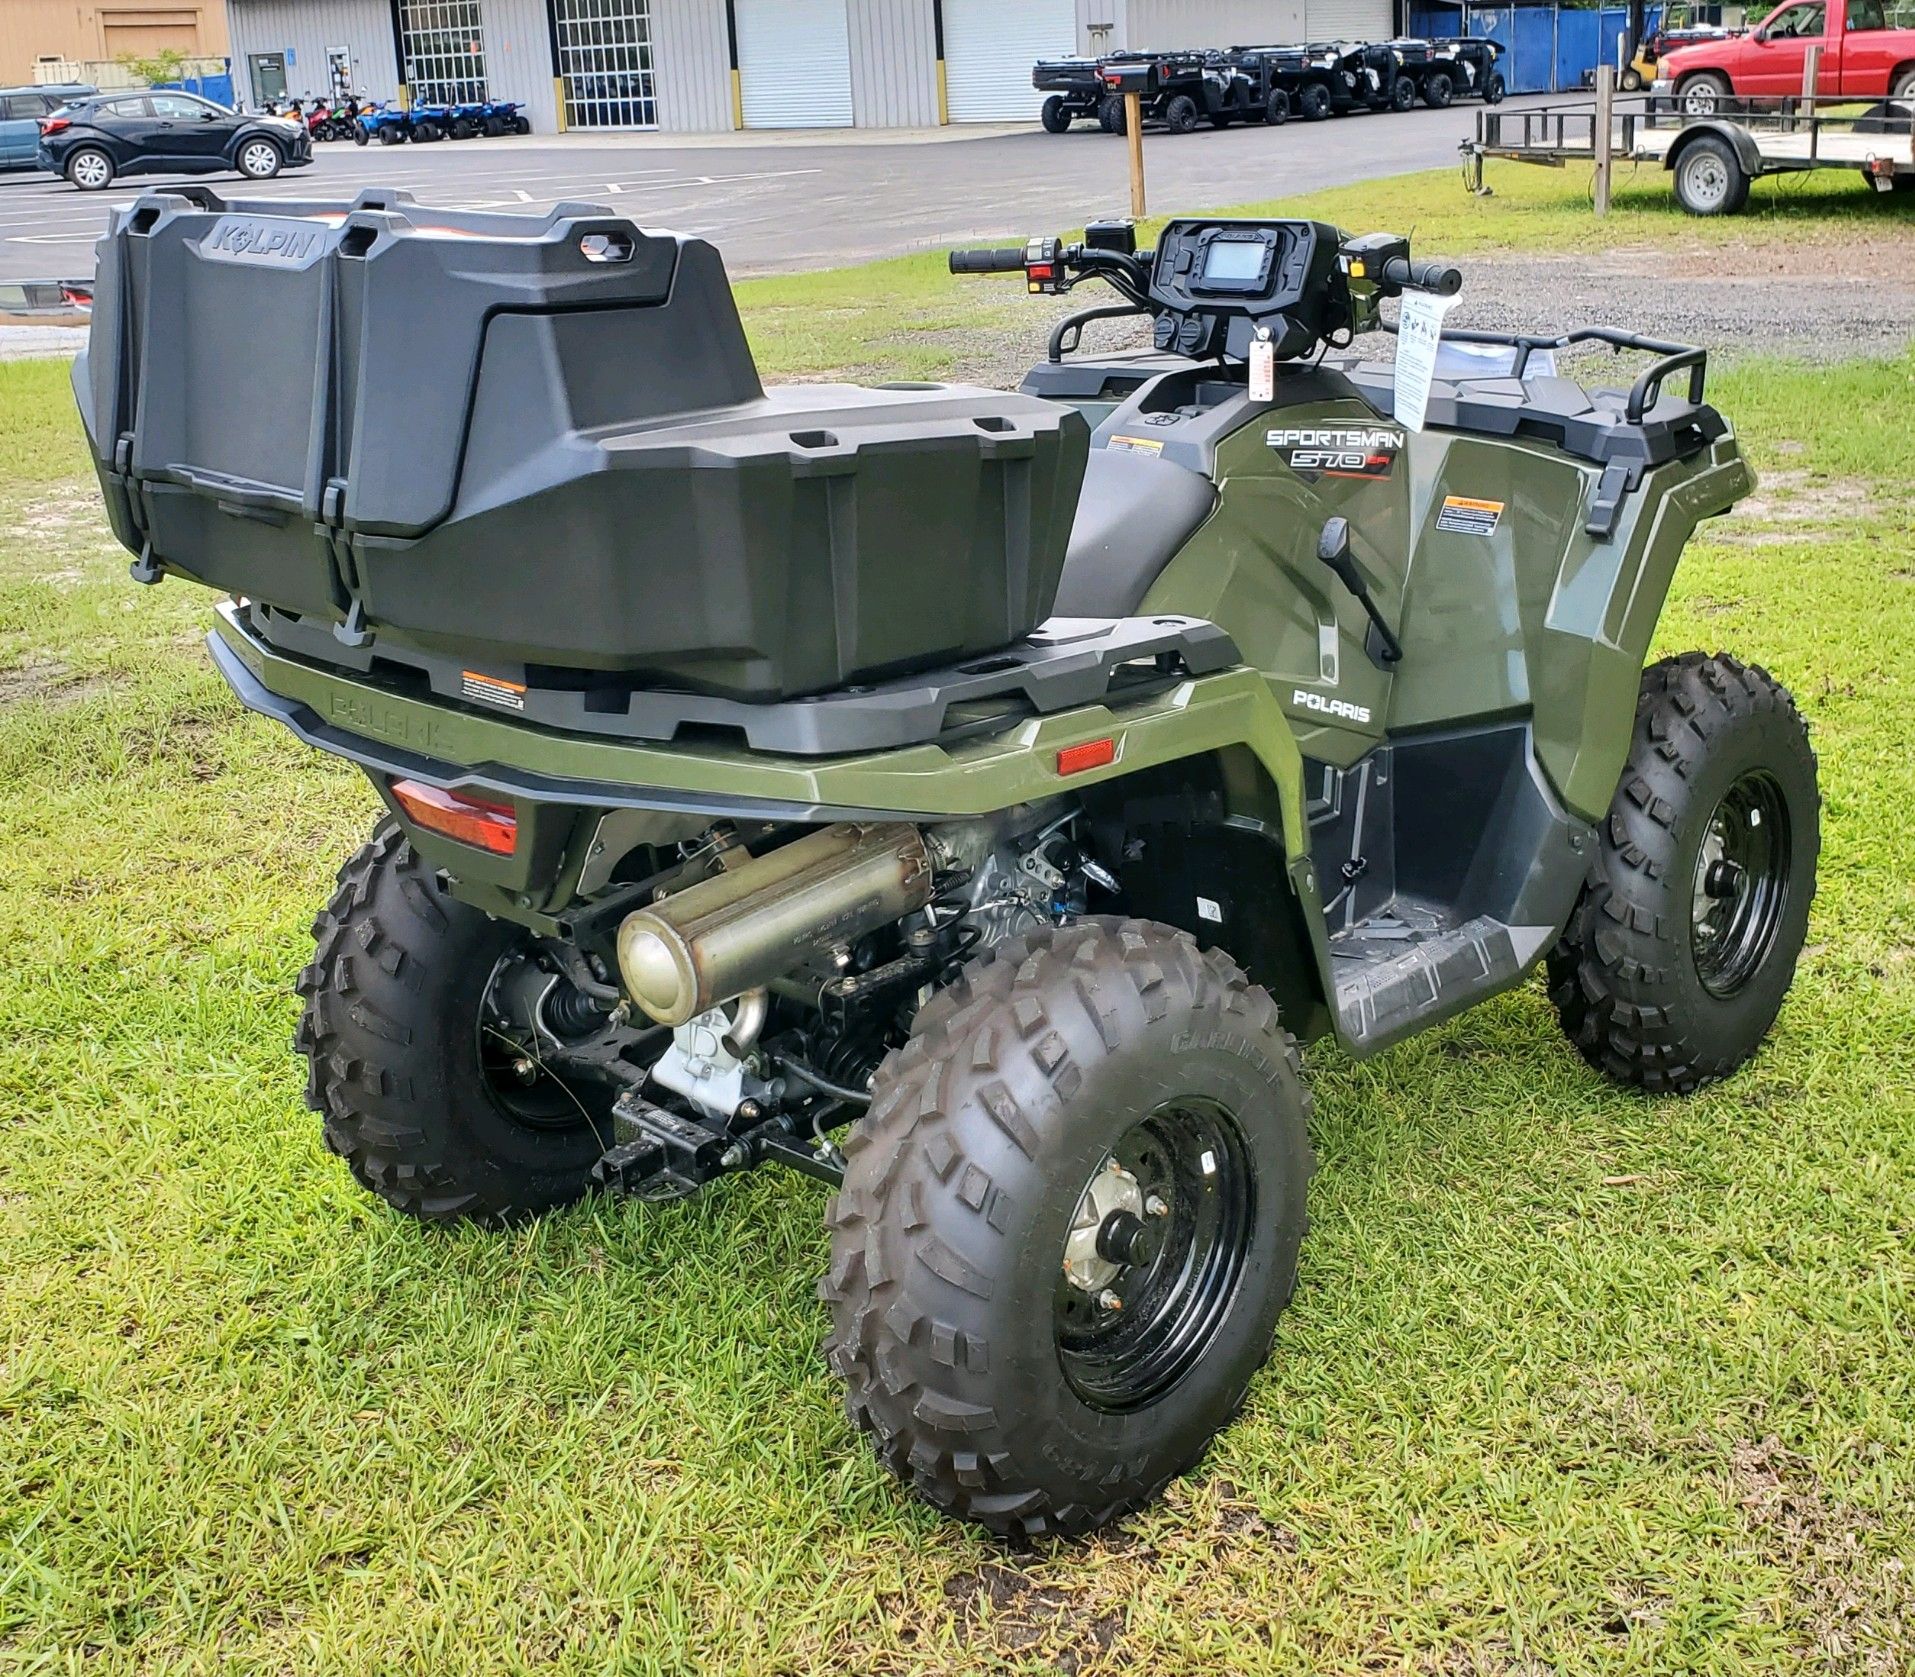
(269, 241)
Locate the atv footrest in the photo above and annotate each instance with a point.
(659, 1155)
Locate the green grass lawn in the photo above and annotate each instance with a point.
(1575, 1381)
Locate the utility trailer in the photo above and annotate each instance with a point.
(1714, 159)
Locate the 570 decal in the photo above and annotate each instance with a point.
(1312, 451)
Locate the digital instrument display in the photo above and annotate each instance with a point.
(1234, 259)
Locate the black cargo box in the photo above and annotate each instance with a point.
(542, 441)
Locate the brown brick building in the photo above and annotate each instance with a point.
(84, 32)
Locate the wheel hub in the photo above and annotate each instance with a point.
(1090, 1264)
(1741, 879)
(1154, 1252)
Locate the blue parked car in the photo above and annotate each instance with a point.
(21, 109)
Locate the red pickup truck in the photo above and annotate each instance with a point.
(1864, 55)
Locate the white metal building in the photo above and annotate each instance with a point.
(692, 65)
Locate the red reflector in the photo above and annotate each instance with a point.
(493, 827)
(1092, 754)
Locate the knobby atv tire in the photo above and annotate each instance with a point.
(1623, 977)
(390, 1034)
(962, 1179)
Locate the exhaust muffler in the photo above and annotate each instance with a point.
(739, 930)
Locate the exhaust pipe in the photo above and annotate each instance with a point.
(739, 930)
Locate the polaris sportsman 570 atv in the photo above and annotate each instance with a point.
(970, 799)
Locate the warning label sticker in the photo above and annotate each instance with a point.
(492, 689)
(1136, 445)
(1465, 517)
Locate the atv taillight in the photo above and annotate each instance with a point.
(53, 125)
(458, 815)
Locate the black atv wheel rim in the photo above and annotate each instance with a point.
(1172, 1256)
(1741, 884)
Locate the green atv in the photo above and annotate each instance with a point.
(968, 799)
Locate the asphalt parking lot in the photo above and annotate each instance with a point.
(793, 201)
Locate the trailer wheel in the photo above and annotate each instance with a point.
(1438, 89)
(1069, 1221)
(1496, 88)
(1313, 100)
(1710, 179)
(1055, 117)
(1402, 94)
(1276, 109)
(1703, 94)
(1180, 115)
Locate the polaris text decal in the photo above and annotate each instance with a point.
(1359, 451)
(1330, 707)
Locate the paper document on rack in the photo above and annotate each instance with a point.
(1419, 329)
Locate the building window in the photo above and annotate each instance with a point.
(605, 59)
(444, 46)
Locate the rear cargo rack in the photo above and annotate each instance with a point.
(1063, 665)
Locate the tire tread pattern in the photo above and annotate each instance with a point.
(886, 1344)
(1610, 975)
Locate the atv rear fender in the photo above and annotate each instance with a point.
(1217, 744)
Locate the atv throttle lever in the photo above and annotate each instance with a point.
(1437, 277)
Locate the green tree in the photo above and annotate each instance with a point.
(164, 66)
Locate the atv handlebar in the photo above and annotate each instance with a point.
(1005, 259)
(1437, 277)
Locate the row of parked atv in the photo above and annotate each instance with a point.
(392, 124)
(1267, 84)
(364, 121)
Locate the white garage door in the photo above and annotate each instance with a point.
(794, 63)
(989, 48)
(1347, 20)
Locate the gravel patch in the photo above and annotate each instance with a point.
(1815, 303)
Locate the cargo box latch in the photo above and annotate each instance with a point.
(332, 517)
(144, 569)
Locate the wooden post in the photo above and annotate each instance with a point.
(1134, 134)
(1605, 114)
(1811, 74)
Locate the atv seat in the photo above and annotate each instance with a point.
(1133, 514)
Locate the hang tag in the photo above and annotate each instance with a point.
(1419, 331)
(1263, 367)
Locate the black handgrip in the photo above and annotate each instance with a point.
(1437, 277)
(1006, 259)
